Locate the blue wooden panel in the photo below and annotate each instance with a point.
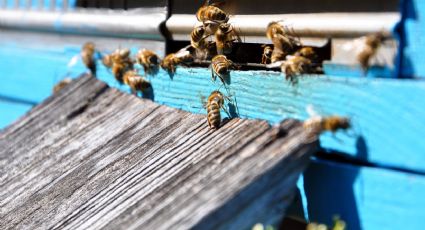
(366, 198)
(32, 73)
(413, 32)
(385, 112)
(10, 112)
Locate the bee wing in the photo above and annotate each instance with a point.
(73, 61)
(355, 46)
(311, 111)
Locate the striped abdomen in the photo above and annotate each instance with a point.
(214, 118)
(211, 13)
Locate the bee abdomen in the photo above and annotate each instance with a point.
(213, 116)
(215, 14)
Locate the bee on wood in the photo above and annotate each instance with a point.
(371, 44)
(60, 85)
(267, 55)
(294, 66)
(215, 102)
(171, 61)
(225, 36)
(136, 82)
(148, 59)
(282, 41)
(121, 63)
(197, 38)
(220, 66)
(88, 56)
(317, 124)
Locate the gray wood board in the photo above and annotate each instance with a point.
(94, 157)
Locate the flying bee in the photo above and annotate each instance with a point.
(148, 59)
(197, 38)
(294, 66)
(331, 123)
(283, 42)
(225, 36)
(171, 61)
(220, 66)
(371, 44)
(215, 102)
(267, 55)
(136, 82)
(317, 124)
(60, 85)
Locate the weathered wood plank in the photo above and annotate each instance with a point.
(93, 157)
(382, 110)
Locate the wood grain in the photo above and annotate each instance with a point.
(93, 157)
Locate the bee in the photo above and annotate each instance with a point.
(295, 65)
(371, 44)
(307, 52)
(60, 85)
(197, 38)
(225, 36)
(220, 66)
(317, 124)
(170, 61)
(121, 63)
(267, 55)
(136, 82)
(215, 102)
(282, 41)
(148, 59)
(87, 55)
(211, 13)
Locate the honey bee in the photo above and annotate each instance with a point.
(282, 41)
(225, 36)
(170, 61)
(148, 59)
(295, 65)
(87, 55)
(307, 52)
(267, 55)
(197, 38)
(211, 13)
(317, 124)
(121, 63)
(371, 45)
(220, 66)
(60, 85)
(136, 82)
(215, 102)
